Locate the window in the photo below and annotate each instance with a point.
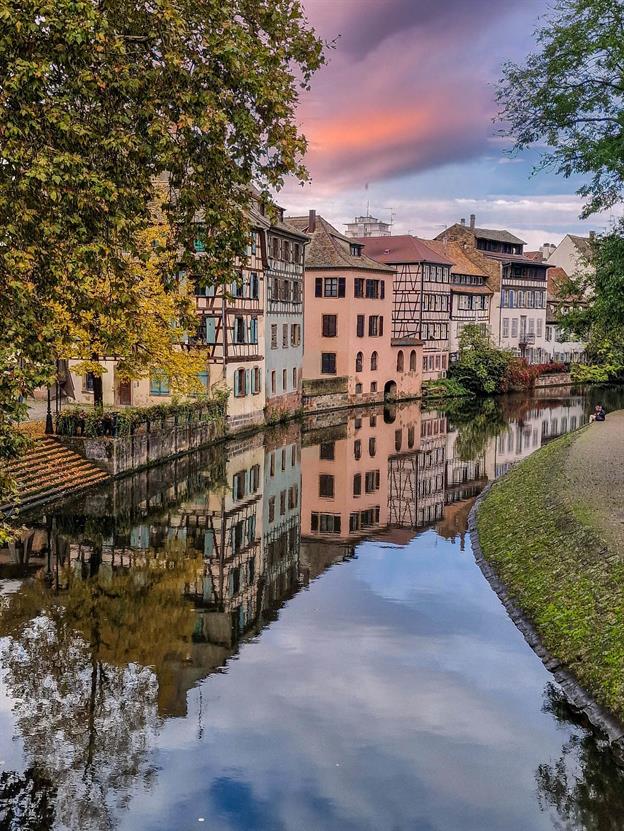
(356, 250)
(373, 387)
(372, 446)
(357, 484)
(540, 325)
(549, 331)
(272, 464)
(285, 292)
(359, 362)
(274, 336)
(238, 335)
(296, 291)
(295, 334)
(284, 380)
(371, 481)
(326, 485)
(358, 389)
(255, 380)
(204, 379)
(253, 330)
(297, 252)
(294, 378)
(328, 363)
(87, 382)
(505, 327)
(286, 245)
(334, 287)
(400, 361)
(413, 366)
(327, 450)
(373, 362)
(285, 336)
(254, 478)
(514, 327)
(373, 421)
(372, 289)
(159, 384)
(373, 326)
(239, 484)
(357, 449)
(325, 523)
(329, 326)
(282, 503)
(410, 437)
(254, 286)
(358, 287)
(272, 509)
(240, 383)
(273, 383)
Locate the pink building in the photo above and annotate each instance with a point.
(350, 354)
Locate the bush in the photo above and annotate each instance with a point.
(481, 367)
(444, 388)
(593, 373)
(82, 421)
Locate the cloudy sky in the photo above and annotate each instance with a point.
(406, 103)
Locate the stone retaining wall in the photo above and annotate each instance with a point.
(127, 453)
(556, 379)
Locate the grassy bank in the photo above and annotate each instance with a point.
(548, 549)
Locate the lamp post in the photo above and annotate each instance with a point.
(49, 427)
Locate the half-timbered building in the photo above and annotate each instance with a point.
(520, 317)
(473, 279)
(421, 297)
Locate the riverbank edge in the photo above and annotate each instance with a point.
(579, 698)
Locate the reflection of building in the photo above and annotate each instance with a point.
(417, 480)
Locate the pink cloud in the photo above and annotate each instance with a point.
(406, 88)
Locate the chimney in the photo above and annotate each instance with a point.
(312, 222)
(473, 220)
(463, 220)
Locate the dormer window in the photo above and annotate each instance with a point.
(356, 250)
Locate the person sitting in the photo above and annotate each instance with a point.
(599, 414)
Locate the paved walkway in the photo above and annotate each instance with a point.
(595, 477)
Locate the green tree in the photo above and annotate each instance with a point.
(568, 95)
(600, 319)
(481, 366)
(103, 107)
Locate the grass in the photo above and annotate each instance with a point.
(546, 548)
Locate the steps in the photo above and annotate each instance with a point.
(48, 471)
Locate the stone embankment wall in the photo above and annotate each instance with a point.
(557, 379)
(127, 453)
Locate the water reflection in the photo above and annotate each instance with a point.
(116, 605)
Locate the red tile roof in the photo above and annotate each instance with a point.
(402, 249)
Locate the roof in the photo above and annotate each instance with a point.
(402, 249)
(462, 262)
(288, 228)
(514, 258)
(534, 255)
(455, 289)
(331, 249)
(497, 235)
(582, 245)
(406, 341)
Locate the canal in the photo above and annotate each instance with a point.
(289, 633)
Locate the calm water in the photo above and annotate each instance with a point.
(290, 633)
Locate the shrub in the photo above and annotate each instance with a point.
(593, 373)
(481, 367)
(444, 388)
(83, 421)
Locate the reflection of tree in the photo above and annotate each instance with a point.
(585, 786)
(476, 424)
(26, 801)
(82, 668)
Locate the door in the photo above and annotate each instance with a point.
(125, 392)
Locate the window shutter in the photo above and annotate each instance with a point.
(380, 326)
(341, 287)
(236, 383)
(318, 287)
(382, 288)
(211, 330)
(360, 326)
(247, 380)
